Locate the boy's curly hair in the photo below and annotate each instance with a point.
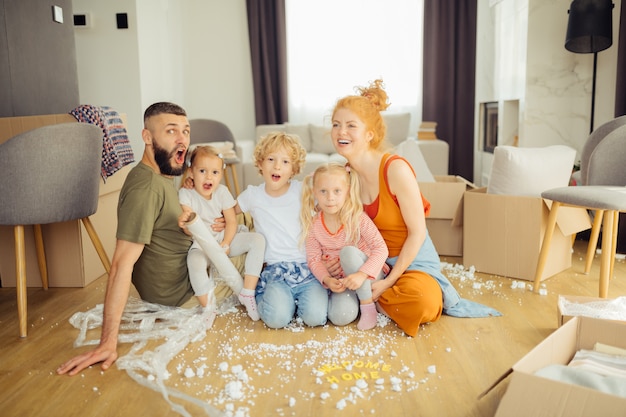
(275, 140)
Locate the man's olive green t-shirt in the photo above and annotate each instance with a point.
(147, 213)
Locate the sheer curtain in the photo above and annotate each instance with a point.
(334, 46)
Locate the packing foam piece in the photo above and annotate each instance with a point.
(219, 260)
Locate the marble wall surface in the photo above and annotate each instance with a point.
(543, 90)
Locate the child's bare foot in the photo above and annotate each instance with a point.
(246, 297)
(368, 317)
(203, 299)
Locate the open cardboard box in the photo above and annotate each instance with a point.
(445, 221)
(530, 395)
(72, 260)
(502, 234)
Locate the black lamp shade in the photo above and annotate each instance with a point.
(590, 26)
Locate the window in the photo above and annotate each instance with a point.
(334, 46)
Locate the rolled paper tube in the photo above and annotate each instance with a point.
(202, 235)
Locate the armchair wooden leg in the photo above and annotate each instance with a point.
(41, 256)
(20, 279)
(545, 246)
(233, 170)
(607, 253)
(97, 244)
(614, 245)
(227, 181)
(234, 188)
(593, 239)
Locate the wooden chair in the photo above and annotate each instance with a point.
(603, 191)
(49, 175)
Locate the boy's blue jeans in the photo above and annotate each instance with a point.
(279, 302)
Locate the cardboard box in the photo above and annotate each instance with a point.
(502, 234)
(71, 257)
(530, 395)
(445, 222)
(11, 126)
(596, 307)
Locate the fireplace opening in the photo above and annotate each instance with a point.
(490, 126)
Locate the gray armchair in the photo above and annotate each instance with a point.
(603, 190)
(49, 175)
(205, 131)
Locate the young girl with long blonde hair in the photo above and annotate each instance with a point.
(335, 227)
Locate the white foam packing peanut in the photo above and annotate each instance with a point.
(141, 322)
(175, 328)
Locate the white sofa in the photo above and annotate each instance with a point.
(316, 140)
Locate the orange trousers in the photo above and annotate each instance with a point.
(414, 299)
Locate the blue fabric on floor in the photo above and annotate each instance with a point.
(427, 260)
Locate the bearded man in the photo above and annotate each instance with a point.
(151, 248)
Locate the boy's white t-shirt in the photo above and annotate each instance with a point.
(278, 220)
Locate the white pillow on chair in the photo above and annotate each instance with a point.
(409, 149)
(320, 139)
(397, 127)
(530, 171)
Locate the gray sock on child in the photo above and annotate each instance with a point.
(246, 297)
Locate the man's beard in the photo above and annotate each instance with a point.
(163, 158)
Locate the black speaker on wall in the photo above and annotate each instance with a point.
(122, 20)
(80, 20)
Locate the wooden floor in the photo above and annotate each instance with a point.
(291, 372)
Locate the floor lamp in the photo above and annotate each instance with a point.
(590, 30)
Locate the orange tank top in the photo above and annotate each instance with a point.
(385, 211)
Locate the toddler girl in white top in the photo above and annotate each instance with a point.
(210, 200)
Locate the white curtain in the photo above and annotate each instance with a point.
(335, 45)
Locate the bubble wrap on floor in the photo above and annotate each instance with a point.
(171, 328)
(603, 309)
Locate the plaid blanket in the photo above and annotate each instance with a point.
(116, 149)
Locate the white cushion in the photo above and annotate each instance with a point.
(263, 130)
(335, 157)
(320, 139)
(303, 133)
(409, 149)
(316, 158)
(530, 171)
(224, 148)
(397, 126)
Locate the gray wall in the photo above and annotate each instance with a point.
(37, 59)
